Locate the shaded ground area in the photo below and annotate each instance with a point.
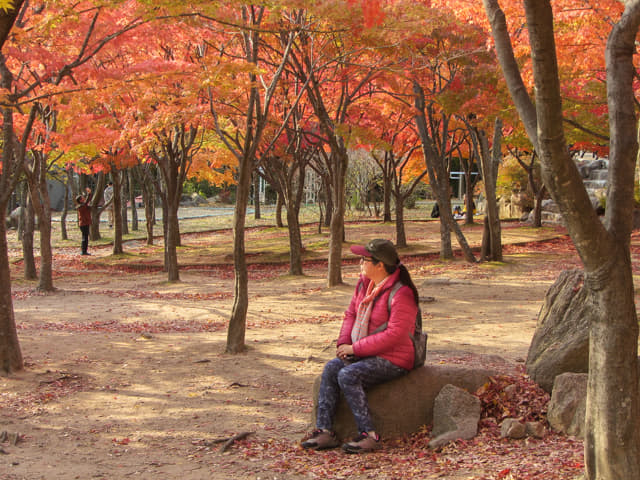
(126, 375)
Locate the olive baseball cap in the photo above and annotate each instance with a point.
(378, 249)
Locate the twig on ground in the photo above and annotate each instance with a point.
(228, 441)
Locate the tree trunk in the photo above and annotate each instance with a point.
(401, 236)
(446, 249)
(295, 190)
(28, 222)
(489, 161)
(173, 240)
(23, 196)
(537, 207)
(10, 354)
(341, 161)
(123, 204)
(116, 207)
(295, 242)
(612, 440)
(45, 283)
(65, 209)
(144, 177)
(439, 179)
(96, 197)
(165, 230)
(485, 248)
(279, 202)
(328, 203)
(149, 215)
(387, 192)
(237, 323)
(256, 196)
(132, 201)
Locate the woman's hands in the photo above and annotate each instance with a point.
(344, 351)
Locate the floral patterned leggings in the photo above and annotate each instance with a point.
(352, 379)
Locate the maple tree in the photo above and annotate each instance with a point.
(336, 74)
(612, 438)
(286, 167)
(241, 131)
(10, 354)
(402, 170)
(37, 90)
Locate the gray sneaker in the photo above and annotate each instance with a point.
(321, 440)
(362, 443)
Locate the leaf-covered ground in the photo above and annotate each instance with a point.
(127, 377)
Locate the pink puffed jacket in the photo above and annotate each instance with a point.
(393, 343)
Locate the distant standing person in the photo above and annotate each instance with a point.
(108, 196)
(84, 219)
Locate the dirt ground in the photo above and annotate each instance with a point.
(126, 375)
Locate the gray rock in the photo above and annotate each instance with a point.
(535, 429)
(404, 405)
(566, 411)
(512, 428)
(561, 341)
(456, 414)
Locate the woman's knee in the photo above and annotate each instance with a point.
(332, 368)
(348, 377)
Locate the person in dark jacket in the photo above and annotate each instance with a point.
(84, 219)
(368, 353)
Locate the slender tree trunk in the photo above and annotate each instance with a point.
(489, 162)
(328, 202)
(65, 209)
(145, 179)
(23, 194)
(296, 192)
(96, 197)
(10, 354)
(439, 179)
(45, 283)
(537, 207)
(237, 323)
(256, 196)
(149, 213)
(341, 162)
(132, 200)
(29, 217)
(123, 203)
(485, 248)
(279, 203)
(401, 236)
(446, 249)
(165, 230)
(116, 207)
(387, 192)
(295, 242)
(173, 240)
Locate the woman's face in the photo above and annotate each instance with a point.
(368, 267)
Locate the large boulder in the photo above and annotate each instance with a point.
(567, 407)
(456, 414)
(561, 341)
(404, 405)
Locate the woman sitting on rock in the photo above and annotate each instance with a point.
(368, 352)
